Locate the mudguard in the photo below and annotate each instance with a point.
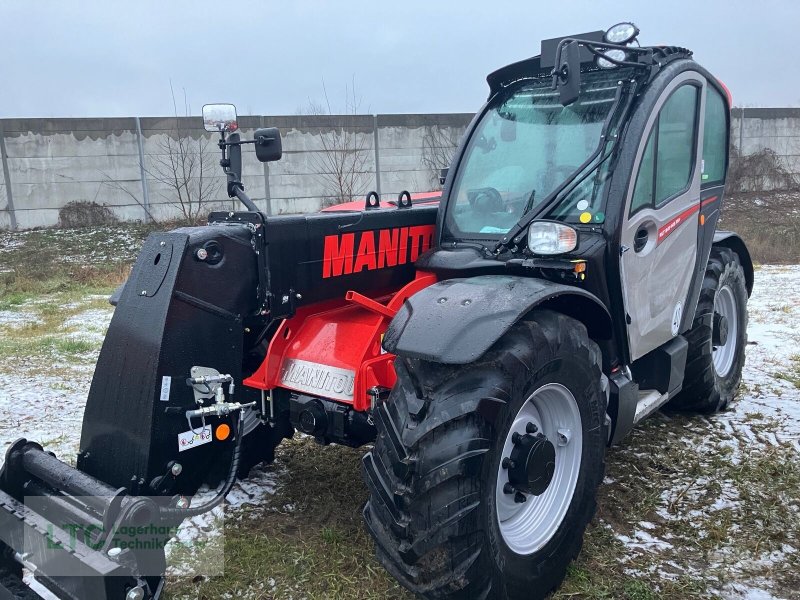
(732, 240)
(457, 320)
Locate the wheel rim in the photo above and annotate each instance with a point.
(724, 355)
(526, 527)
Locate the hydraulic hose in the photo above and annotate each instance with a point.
(178, 514)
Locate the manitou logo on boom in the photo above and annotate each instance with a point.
(351, 253)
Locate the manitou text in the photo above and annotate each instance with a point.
(374, 249)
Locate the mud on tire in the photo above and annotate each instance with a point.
(433, 470)
(705, 390)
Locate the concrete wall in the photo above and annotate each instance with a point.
(778, 129)
(48, 163)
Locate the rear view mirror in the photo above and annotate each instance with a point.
(568, 73)
(220, 117)
(268, 144)
(508, 130)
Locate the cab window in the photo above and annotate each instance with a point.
(667, 163)
(715, 139)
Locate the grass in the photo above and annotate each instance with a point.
(309, 538)
(317, 548)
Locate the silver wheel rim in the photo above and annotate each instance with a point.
(724, 355)
(526, 527)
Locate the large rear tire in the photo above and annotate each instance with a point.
(714, 369)
(438, 511)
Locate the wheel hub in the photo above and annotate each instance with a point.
(725, 331)
(532, 462)
(720, 330)
(547, 470)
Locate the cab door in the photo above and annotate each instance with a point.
(660, 222)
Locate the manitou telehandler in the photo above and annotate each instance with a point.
(488, 346)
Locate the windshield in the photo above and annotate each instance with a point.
(525, 146)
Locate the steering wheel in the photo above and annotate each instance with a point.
(486, 200)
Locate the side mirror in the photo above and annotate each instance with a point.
(268, 144)
(220, 117)
(568, 73)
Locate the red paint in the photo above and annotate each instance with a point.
(707, 201)
(344, 333)
(666, 230)
(727, 92)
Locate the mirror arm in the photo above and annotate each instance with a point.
(235, 188)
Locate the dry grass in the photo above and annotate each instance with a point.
(307, 542)
(769, 223)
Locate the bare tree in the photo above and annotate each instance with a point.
(438, 147)
(120, 187)
(341, 165)
(184, 167)
(760, 171)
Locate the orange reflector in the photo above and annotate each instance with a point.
(702, 219)
(580, 267)
(223, 431)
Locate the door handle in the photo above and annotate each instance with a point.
(640, 239)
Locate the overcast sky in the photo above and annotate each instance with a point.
(76, 58)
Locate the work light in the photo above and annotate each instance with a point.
(621, 33)
(603, 61)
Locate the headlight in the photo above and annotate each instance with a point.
(617, 54)
(622, 33)
(549, 238)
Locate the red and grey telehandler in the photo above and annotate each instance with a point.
(485, 346)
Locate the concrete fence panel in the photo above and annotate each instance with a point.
(124, 163)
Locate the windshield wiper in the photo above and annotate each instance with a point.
(572, 181)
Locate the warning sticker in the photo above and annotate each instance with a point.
(166, 384)
(192, 439)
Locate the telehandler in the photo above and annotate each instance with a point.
(486, 347)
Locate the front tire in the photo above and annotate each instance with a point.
(441, 521)
(714, 369)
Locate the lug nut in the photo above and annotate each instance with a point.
(531, 427)
(516, 438)
(176, 469)
(509, 489)
(519, 498)
(564, 436)
(508, 463)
